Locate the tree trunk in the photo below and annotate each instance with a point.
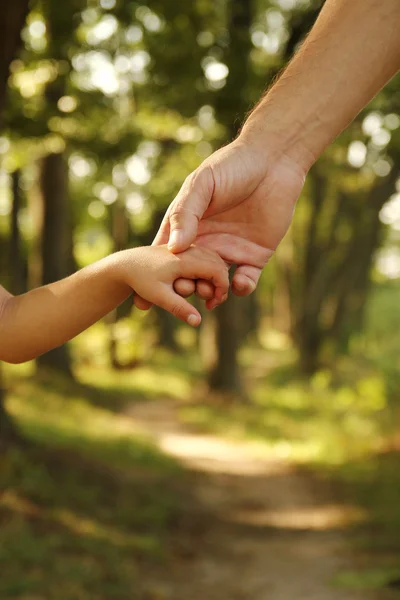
(16, 262)
(166, 325)
(232, 104)
(56, 243)
(12, 18)
(225, 377)
(332, 282)
(9, 433)
(250, 315)
(120, 234)
(119, 226)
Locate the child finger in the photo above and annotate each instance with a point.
(179, 307)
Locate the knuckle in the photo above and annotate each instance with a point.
(177, 310)
(205, 290)
(175, 218)
(184, 287)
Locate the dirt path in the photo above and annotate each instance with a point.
(257, 528)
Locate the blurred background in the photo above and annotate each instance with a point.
(148, 460)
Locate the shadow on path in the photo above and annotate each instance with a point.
(255, 528)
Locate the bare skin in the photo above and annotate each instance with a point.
(241, 200)
(47, 317)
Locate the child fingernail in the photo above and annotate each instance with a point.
(193, 320)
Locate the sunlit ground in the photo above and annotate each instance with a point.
(81, 494)
(87, 502)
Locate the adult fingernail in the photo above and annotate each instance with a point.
(174, 240)
(193, 320)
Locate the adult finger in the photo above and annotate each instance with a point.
(188, 208)
(214, 271)
(162, 235)
(245, 280)
(236, 250)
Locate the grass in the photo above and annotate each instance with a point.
(317, 420)
(63, 415)
(87, 505)
(348, 436)
(71, 531)
(87, 509)
(374, 484)
(343, 423)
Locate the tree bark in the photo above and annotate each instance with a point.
(12, 18)
(166, 326)
(17, 266)
(231, 105)
(56, 243)
(225, 377)
(333, 280)
(120, 230)
(8, 431)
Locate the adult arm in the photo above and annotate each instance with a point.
(241, 200)
(352, 51)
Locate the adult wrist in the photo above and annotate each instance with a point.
(279, 138)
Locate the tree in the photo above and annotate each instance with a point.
(16, 258)
(337, 229)
(57, 257)
(330, 281)
(231, 104)
(12, 18)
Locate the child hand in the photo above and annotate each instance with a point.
(151, 272)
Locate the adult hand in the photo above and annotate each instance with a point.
(240, 203)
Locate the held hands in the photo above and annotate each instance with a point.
(152, 271)
(46, 317)
(239, 203)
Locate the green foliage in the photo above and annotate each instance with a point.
(136, 94)
(317, 420)
(88, 506)
(381, 341)
(62, 414)
(374, 579)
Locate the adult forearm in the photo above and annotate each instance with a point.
(47, 317)
(351, 52)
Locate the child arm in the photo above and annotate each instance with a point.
(44, 318)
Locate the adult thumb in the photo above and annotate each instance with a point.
(188, 208)
(183, 230)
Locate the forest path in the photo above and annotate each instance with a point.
(257, 528)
